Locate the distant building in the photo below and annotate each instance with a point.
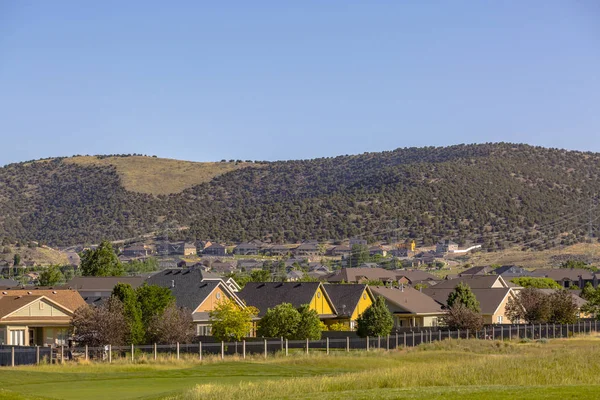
(215, 249)
(246, 249)
(139, 250)
(445, 246)
(361, 242)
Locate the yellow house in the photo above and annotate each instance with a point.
(350, 301)
(265, 295)
(37, 317)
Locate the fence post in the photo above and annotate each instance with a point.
(467, 334)
(547, 332)
(421, 342)
(379, 342)
(510, 332)
(405, 340)
(155, 351)
(200, 350)
(493, 332)
(458, 333)
(396, 341)
(286, 347)
(222, 349)
(62, 353)
(178, 350)
(12, 356)
(439, 335)
(413, 339)
(244, 349)
(306, 345)
(327, 344)
(388, 343)
(281, 343)
(37, 354)
(347, 344)
(265, 349)
(86, 353)
(110, 353)
(132, 351)
(567, 335)
(502, 332)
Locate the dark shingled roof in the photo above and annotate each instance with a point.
(474, 282)
(345, 295)
(265, 295)
(103, 283)
(189, 289)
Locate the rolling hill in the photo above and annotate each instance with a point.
(494, 194)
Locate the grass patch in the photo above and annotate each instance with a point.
(160, 175)
(451, 369)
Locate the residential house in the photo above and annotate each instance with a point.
(249, 265)
(350, 301)
(97, 289)
(307, 249)
(377, 251)
(413, 277)
(215, 249)
(578, 300)
(220, 267)
(265, 295)
(491, 291)
(177, 248)
(362, 275)
(37, 316)
(341, 250)
(445, 246)
(140, 250)
(410, 307)
(567, 277)
(294, 276)
(509, 272)
(195, 292)
(477, 271)
(246, 249)
(8, 283)
(278, 250)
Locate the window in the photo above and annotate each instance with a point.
(318, 295)
(500, 319)
(364, 296)
(41, 305)
(17, 337)
(218, 296)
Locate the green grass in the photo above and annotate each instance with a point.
(455, 369)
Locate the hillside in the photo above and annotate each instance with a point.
(494, 194)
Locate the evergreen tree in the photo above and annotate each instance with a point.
(376, 320)
(101, 262)
(462, 294)
(153, 300)
(131, 309)
(51, 276)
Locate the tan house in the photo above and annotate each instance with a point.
(410, 307)
(38, 316)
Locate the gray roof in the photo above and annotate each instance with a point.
(189, 288)
(474, 282)
(98, 283)
(265, 295)
(476, 271)
(578, 300)
(559, 274)
(345, 297)
(489, 299)
(8, 283)
(409, 299)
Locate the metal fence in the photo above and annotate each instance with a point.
(270, 347)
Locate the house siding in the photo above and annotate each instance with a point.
(39, 309)
(362, 305)
(211, 301)
(320, 304)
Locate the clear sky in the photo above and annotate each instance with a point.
(268, 80)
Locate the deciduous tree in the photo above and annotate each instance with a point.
(103, 325)
(461, 317)
(230, 321)
(279, 321)
(310, 326)
(174, 325)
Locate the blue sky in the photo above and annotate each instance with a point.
(270, 80)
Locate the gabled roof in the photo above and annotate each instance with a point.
(345, 297)
(188, 286)
(507, 268)
(354, 274)
(265, 295)
(559, 274)
(103, 283)
(10, 304)
(476, 271)
(414, 275)
(474, 282)
(308, 246)
(489, 299)
(67, 298)
(409, 299)
(578, 300)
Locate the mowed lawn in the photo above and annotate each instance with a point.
(455, 369)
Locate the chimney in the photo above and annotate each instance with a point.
(173, 283)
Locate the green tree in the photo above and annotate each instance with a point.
(530, 305)
(537, 283)
(50, 276)
(359, 255)
(310, 326)
(588, 292)
(460, 316)
(376, 320)
(101, 262)
(230, 321)
(131, 309)
(260, 275)
(462, 294)
(17, 260)
(563, 308)
(279, 321)
(153, 300)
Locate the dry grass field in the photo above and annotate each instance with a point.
(161, 175)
